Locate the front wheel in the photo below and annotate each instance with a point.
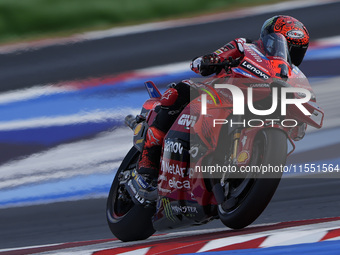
(127, 221)
(249, 196)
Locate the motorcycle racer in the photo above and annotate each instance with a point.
(293, 30)
(177, 96)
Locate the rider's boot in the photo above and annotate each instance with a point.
(143, 185)
(148, 165)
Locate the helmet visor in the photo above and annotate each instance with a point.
(275, 45)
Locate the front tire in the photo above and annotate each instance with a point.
(270, 148)
(127, 221)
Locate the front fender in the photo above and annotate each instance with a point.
(247, 138)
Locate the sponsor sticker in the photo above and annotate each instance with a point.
(139, 141)
(193, 151)
(187, 120)
(173, 147)
(254, 54)
(229, 46)
(245, 64)
(184, 209)
(167, 209)
(177, 184)
(240, 71)
(244, 140)
(244, 155)
(141, 182)
(137, 129)
(173, 169)
(218, 52)
(253, 47)
(296, 34)
(259, 85)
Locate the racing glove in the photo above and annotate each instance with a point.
(202, 65)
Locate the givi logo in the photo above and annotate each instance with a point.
(187, 120)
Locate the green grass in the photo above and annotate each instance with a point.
(29, 19)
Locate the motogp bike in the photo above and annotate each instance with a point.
(224, 156)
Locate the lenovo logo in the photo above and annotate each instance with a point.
(254, 70)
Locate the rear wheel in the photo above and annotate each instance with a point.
(249, 196)
(127, 221)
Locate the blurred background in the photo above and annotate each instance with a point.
(70, 71)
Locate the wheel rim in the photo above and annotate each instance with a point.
(120, 202)
(120, 206)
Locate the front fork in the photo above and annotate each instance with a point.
(236, 140)
(232, 158)
(221, 188)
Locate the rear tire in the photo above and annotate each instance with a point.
(270, 148)
(128, 221)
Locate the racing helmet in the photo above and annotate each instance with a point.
(293, 30)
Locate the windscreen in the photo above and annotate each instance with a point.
(275, 45)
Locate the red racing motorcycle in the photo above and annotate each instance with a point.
(224, 156)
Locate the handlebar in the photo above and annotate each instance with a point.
(226, 64)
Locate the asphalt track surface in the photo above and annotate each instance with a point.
(296, 199)
(113, 55)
